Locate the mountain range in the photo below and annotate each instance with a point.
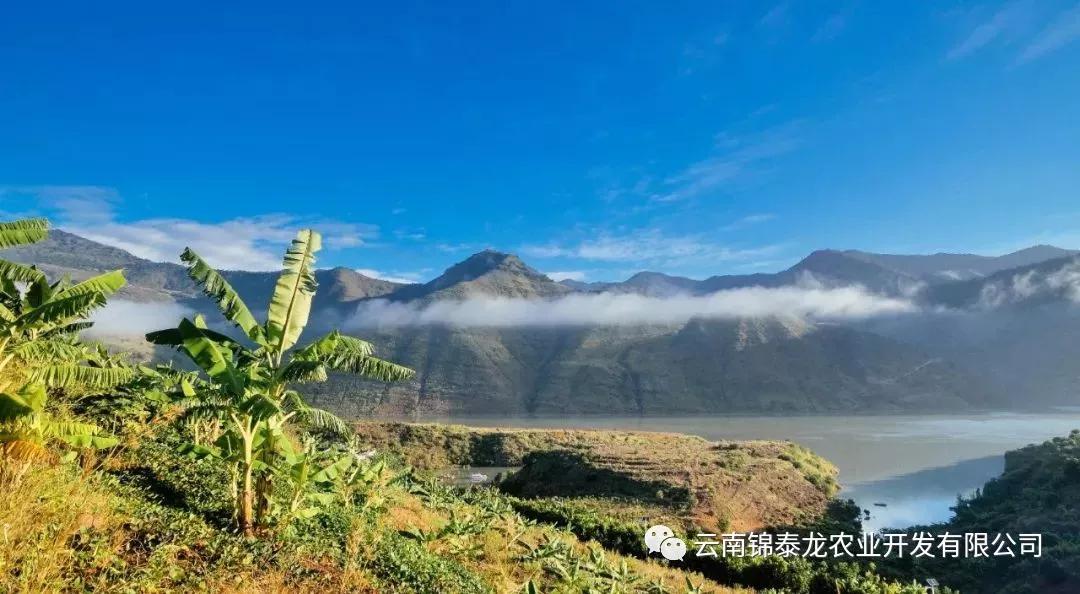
(990, 332)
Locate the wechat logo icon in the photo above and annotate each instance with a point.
(661, 539)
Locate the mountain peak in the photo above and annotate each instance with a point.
(658, 284)
(481, 263)
(645, 275)
(1041, 251)
(490, 273)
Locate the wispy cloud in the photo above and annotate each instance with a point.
(748, 221)
(404, 278)
(411, 234)
(629, 309)
(245, 243)
(649, 246)
(1063, 282)
(457, 248)
(1002, 24)
(1063, 30)
(735, 156)
(561, 275)
(830, 29)
(83, 203)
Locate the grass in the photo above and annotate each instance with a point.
(41, 516)
(132, 529)
(507, 550)
(149, 520)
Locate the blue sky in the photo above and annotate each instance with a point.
(593, 139)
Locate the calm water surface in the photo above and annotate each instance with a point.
(915, 465)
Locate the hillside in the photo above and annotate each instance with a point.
(63, 253)
(943, 267)
(703, 366)
(1036, 494)
(690, 481)
(221, 477)
(1031, 284)
(119, 477)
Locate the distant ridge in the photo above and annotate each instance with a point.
(1019, 334)
(946, 267)
(889, 274)
(495, 273)
(65, 253)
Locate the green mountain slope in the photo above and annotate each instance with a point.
(705, 366)
(748, 365)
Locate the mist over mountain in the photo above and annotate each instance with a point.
(840, 331)
(942, 267)
(884, 273)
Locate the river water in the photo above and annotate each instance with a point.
(915, 465)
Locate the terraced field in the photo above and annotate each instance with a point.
(698, 483)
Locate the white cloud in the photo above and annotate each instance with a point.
(648, 246)
(411, 234)
(736, 157)
(84, 203)
(454, 248)
(575, 275)
(131, 318)
(629, 309)
(1064, 30)
(749, 220)
(245, 243)
(1064, 281)
(1005, 23)
(405, 278)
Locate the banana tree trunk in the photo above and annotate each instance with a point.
(247, 493)
(264, 488)
(247, 496)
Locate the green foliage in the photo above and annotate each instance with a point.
(813, 467)
(795, 575)
(1036, 493)
(290, 304)
(37, 323)
(407, 564)
(221, 292)
(19, 272)
(246, 450)
(22, 232)
(249, 400)
(26, 427)
(69, 375)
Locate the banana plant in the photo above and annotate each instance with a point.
(692, 588)
(26, 428)
(253, 375)
(38, 327)
(17, 233)
(308, 482)
(38, 350)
